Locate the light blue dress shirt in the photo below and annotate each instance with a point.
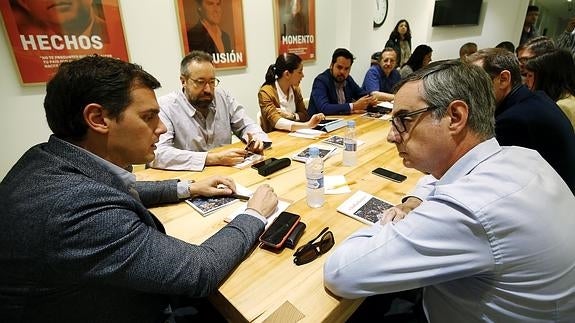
(492, 241)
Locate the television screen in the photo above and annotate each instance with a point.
(456, 12)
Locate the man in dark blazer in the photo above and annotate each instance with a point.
(78, 244)
(527, 119)
(334, 91)
(207, 35)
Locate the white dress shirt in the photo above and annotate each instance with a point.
(492, 241)
(190, 136)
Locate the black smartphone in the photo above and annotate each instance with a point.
(263, 163)
(277, 233)
(396, 177)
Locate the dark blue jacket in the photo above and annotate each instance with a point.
(324, 98)
(77, 247)
(533, 120)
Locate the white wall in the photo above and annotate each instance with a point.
(154, 42)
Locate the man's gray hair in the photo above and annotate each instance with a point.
(450, 80)
(197, 56)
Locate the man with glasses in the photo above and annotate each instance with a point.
(527, 119)
(535, 47)
(492, 239)
(202, 116)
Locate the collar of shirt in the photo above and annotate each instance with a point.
(287, 102)
(127, 178)
(470, 160)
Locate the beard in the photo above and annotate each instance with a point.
(203, 101)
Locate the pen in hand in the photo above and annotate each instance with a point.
(240, 197)
(250, 144)
(234, 195)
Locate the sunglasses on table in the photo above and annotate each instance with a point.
(312, 250)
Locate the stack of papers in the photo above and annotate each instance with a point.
(325, 152)
(307, 133)
(338, 141)
(364, 207)
(206, 205)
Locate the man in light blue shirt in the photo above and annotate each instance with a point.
(200, 117)
(492, 239)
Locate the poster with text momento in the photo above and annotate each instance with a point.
(295, 27)
(45, 33)
(215, 27)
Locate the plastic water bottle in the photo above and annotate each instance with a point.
(350, 145)
(314, 175)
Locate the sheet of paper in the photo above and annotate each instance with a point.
(282, 206)
(307, 133)
(249, 160)
(386, 104)
(336, 184)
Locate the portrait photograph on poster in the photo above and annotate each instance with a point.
(215, 27)
(44, 34)
(295, 27)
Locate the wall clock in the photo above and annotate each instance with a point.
(380, 13)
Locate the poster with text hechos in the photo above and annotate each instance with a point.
(46, 33)
(295, 27)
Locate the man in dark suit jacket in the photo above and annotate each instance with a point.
(200, 39)
(207, 35)
(527, 119)
(78, 244)
(334, 91)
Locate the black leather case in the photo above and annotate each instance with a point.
(293, 238)
(274, 166)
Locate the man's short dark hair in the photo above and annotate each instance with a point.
(92, 79)
(532, 8)
(342, 52)
(496, 60)
(197, 56)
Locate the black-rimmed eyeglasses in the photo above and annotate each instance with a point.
(312, 250)
(398, 121)
(201, 83)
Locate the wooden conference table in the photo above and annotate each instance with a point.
(268, 286)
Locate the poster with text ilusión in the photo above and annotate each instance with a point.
(215, 27)
(45, 33)
(295, 27)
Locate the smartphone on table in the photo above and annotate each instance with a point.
(386, 173)
(277, 233)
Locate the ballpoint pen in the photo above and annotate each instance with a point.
(250, 144)
(240, 197)
(340, 185)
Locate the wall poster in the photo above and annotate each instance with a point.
(45, 33)
(295, 27)
(216, 27)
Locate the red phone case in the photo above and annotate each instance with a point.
(278, 232)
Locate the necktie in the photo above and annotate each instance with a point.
(340, 94)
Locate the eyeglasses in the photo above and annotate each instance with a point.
(398, 121)
(312, 250)
(201, 83)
